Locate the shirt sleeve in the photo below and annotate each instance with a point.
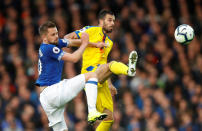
(63, 43)
(54, 52)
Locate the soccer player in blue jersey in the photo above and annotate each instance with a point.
(54, 92)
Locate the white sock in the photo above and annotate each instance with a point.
(91, 94)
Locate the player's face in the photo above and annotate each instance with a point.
(52, 35)
(108, 23)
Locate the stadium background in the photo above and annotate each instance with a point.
(166, 93)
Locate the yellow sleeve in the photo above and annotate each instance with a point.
(91, 30)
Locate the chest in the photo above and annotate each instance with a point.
(109, 44)
(99, 52)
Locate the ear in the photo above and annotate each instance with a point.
(101, 21)
(44, 37)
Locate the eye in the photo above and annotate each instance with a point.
(55, 33)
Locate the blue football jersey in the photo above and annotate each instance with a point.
(50, 65)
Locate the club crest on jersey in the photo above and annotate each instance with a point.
(107, 44)
(56, 50)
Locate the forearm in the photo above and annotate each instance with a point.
(78, 53)
(77, 43)
(74, 42)
(74, 57)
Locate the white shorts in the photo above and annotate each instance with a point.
(53, 98)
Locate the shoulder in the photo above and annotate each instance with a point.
(47, 46)
(94, 27)
(89, 29)
(86, 28)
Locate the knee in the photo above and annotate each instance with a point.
(106, 67)
(110, 116)
(110, 63)
(103, 67)
(93, 75)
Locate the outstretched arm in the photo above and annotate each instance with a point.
(74, 57)
(74, 41)
(72, 35)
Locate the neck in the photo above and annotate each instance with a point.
(45, 42)
(105, 32)
(102, 29)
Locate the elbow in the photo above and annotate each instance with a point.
(67, 36)
(70, 36)
(75, 60)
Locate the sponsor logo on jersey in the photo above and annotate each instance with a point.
(56, 50)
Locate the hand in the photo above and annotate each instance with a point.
(84, 38)
(100, 44)
(113, 90)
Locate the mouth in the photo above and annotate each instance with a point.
(110, 28)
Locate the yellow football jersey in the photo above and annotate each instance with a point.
(92, 56)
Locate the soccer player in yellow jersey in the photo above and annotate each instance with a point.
(94, 57)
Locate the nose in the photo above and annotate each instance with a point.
(57, 36)
(112, 23)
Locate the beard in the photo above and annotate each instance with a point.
(107, 30)
(53, 42)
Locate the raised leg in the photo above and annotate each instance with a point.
(103, 72)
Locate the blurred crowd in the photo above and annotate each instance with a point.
(165, 94)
